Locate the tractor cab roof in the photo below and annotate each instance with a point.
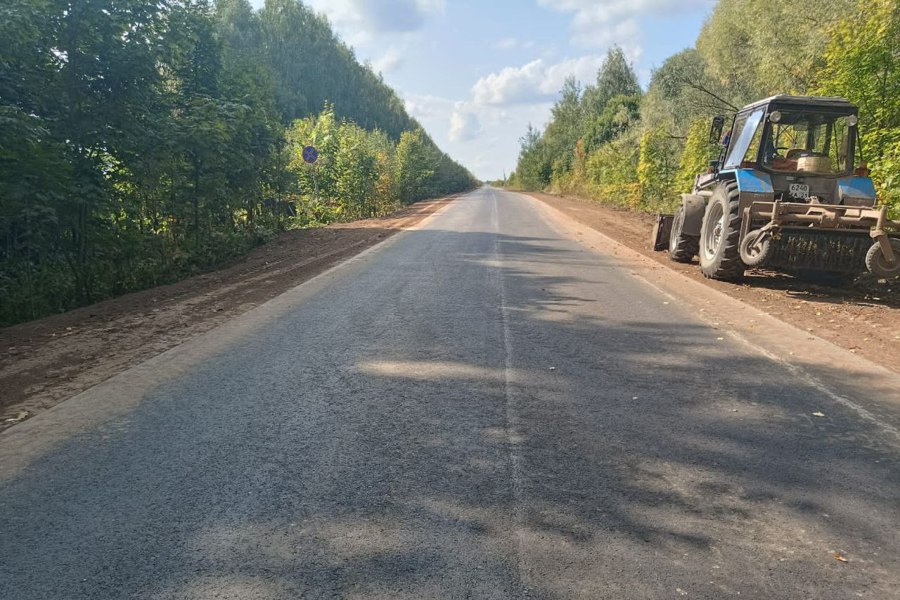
(823, 103)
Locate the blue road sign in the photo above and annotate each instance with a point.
(310, 154)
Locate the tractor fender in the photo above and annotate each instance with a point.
(856, 191)
(751, 181)
(694, 207)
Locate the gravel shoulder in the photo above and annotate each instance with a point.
(863, 318)
(47, 361)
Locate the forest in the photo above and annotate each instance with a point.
(142, 141)
(614, 142)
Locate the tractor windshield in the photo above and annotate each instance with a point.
(809, 142)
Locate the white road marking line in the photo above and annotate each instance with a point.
(512, 422)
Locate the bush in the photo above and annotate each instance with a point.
(657, 168)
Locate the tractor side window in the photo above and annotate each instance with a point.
(753, 150)
(745, 131)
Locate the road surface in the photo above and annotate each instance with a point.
(484, 407)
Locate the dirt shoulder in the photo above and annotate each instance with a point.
(45, 362)
(863, 318)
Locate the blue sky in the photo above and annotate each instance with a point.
(475, 73)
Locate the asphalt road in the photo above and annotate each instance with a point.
(480, 408)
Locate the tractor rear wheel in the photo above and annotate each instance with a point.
(720, 255)
(682, 248)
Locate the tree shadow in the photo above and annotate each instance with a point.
(864, 290)
(381, 444)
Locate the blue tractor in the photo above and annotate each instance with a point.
(789, 191)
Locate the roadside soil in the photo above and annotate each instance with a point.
(863, 317)
(47, 361)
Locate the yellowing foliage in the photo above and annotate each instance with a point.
(694, 157)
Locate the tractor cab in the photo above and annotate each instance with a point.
(803, 145)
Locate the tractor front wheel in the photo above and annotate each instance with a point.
(878, 264)
(682, 248)
(720, 255)
(756, 247)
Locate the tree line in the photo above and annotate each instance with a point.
(615, 142)
(142, 141)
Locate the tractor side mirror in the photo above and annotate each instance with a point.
(715, 132)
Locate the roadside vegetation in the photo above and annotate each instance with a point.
(143, 141)
(614, 142)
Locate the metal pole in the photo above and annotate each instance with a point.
(315, 170)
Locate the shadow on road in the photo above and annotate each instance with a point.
(377, 446)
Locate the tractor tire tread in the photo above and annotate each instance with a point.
(729, 267)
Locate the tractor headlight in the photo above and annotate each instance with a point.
(775, 116)
(852, 120)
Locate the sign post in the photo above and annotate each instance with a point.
(310, 157)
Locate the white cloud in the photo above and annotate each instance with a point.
(425, 107)
(590, 13)
(537, 81)
(359, 20)
(461, 120)
(389, 62)
(485, 138)
(601, 23)
(464, 124)
(625, 34)
(512, 43)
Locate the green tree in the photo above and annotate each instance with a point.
(695, 156)
(412, 167)
(863, 65)
(316, 184)
(683, 90)
(141, 141)
(771, 46)
(620, 114)
(534, 168)
(356, 168)
(612, 170)
(615, 78)
(564, 129)
(657, 168)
